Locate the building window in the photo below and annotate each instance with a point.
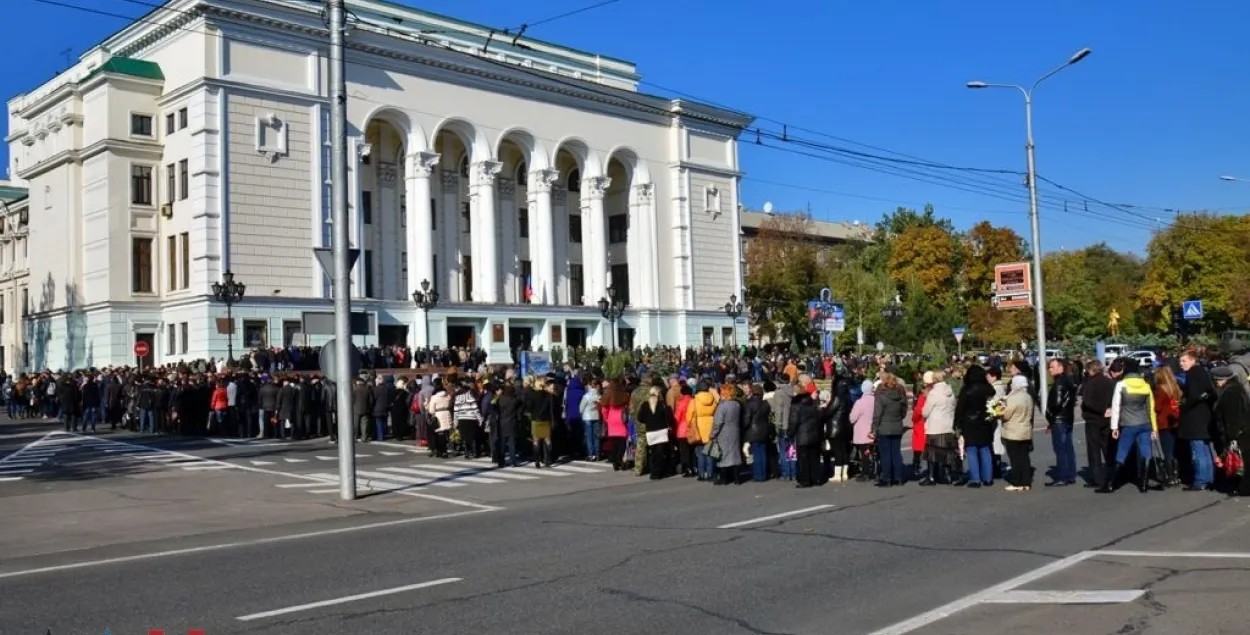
(2, 303)
(141, 265)
(575, 229)
(366, 207)
(368, 273)
(170, 183)
(403, 269)
(169, 127)
(255, 333)
(171, 246)
(466, 278)
(434, 214)
(465, 213)
(577, 285)
(522, 175)
(464, 166)
(523, 221)
(727, 336)
(712, 200)
(141, 184)
(525, 289)
(708, 334)
(620, 282)
(618, 229)
(403, 210)
(182, 122)
(186, 337)
(25, 301)
(186, 259)
(184, 179)
(575, 181)
(140, 125)
(173, 339)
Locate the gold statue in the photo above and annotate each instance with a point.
(1113, 323)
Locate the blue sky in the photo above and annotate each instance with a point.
(1148, 122)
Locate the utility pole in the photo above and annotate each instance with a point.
(336, 13)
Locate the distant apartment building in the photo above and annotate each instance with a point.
(14, 275)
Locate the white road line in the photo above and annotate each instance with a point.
(386, 453)
(764, 519)
(243, 543)
(946, 610)
(289, 475)
(296, 485)
(327, 458)
(1173, 554)
(530, 469)
(1067, 597)
(453, 473)
(575, 468)
(344, 600)
(206, 467)
(261, 462)
(500, 472)
(374, 485)
(290, 460)
(410, 449)
(416, 477)
(6, 479)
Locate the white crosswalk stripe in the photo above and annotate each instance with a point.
(111, 454)
(445, 473)
(439, 475)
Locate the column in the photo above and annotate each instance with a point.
(420, 239)
(485, 244)
(385, 229)
(643, 211)
(595, 242)
(542, 235)
(449, 232)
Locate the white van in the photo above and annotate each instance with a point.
(1112, 351)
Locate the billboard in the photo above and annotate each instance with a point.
(1013, 285)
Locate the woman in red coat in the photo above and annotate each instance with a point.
(917, 427)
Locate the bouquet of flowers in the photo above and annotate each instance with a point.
(995, 407)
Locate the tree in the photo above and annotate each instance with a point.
(783, 272)
(985, 247)
(1200, 256)
(928, 255)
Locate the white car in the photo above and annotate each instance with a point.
(1112, 351)
(1145, 358)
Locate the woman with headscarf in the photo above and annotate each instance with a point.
(808, 434)
(977, 427)
(941, 445)
(1232, 418)
(656, 420)
(861, 423)
(727, 435)
(1017, 434)
(889, 422)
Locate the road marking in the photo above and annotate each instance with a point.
(500, 472)
(290, 460)
(445, 472)
(574, 468)
(243, 543)
(386, 453)
(327, 458)
(10, 478)
(946, 610)
(429, 478)
(345, 600)
(1067, 597)
(1173, 554)
(293, 485)
(261, 462)
(764, 519)
(206, 467)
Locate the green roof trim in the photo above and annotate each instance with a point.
(10, 193)
(129, 66)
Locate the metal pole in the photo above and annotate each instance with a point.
(230, 336)
(1039, 309)
(342, 265)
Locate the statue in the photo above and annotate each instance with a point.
(1113, 323)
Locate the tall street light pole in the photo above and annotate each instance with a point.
(336, 16)
(426, 299)
(228, 292)
(734, 308)
(612, 309)
(1038, 304)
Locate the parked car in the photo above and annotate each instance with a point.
(1145, 358)
(1112, 351)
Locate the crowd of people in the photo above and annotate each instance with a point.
(721, 416)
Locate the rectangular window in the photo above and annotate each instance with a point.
(466, 278)
(141, 184)
(170, 183)
(434, 268)
(403, 268)
(141, 265)
(403, 210)
(25, 301)
(171, 246)
(255, 333)
(186, 337)
(434, 214)
(577, 286)
(140, 125)
(173, 339)
(184, 179)
(523, 221)
(169, 125)
(2, 303)
(618, 229)
(727, 336)
(620, 282)
(708, 334)
(186, 259)
(182, 118)
(366, 207)
(368, 273)
(466, 224)
(525, 290)
(575, 229)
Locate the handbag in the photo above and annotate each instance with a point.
(1234, 465)
(658, 437)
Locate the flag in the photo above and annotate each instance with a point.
(529, 289)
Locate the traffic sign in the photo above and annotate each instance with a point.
(329, 362)
(836, 322)
(1192, 309)
(142, 349)
(959, 334)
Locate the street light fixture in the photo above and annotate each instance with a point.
(1038, 304)
(734, 308)
(611, 309)
(893, 311)
(229, 292)
(426, 299)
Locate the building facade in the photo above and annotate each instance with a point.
(521, 179)
(14, 274)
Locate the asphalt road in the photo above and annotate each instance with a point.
(617, 553)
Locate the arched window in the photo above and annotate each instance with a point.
(522, 175)
(464, 166)
(575, 180)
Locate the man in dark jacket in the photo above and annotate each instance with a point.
(808, 435)
(1060, 413)
(1197, 398)
(71, 403)
(267, 399)
(758, 431)
(1096, 393)
(362, 408)
(383, 395)
(90, 403)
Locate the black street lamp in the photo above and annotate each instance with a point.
(734, 308)
(229, 292)
(893, 311)
(426, 299)
(611, 309)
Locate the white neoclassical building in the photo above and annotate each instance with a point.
(520, 178)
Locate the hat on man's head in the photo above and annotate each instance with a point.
(1222, 372)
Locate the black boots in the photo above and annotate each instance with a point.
(1143, 473)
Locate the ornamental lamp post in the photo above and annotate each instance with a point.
(893, 311)
(426, 299)
(734, 308)
(229, 292)
(611, 309)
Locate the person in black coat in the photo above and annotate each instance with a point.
(1096, 393)
(288, 410)
(90, 403)
(70, 399)
(1060, 415)
(655, 416)
(758, 430)
(511, 414)
(383, 394)
(977, 428)
(401, 407)
(1197, 398)
(1232, 417)
(836, 417)
(808, 434)
(267, 400)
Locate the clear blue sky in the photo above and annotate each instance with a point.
(1150, 119)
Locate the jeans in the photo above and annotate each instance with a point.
(980, 463)
(1167, 443)
(759, 458)
(89, 416)
(706, 465)
(1129, 435)
(1065, 453)
(1204, 467)
(592, 438)
(890, 448)
(505, 450)
(789, 466)
(147, 421)
(379, 427)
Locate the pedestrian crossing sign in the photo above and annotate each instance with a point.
(1192, 309)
